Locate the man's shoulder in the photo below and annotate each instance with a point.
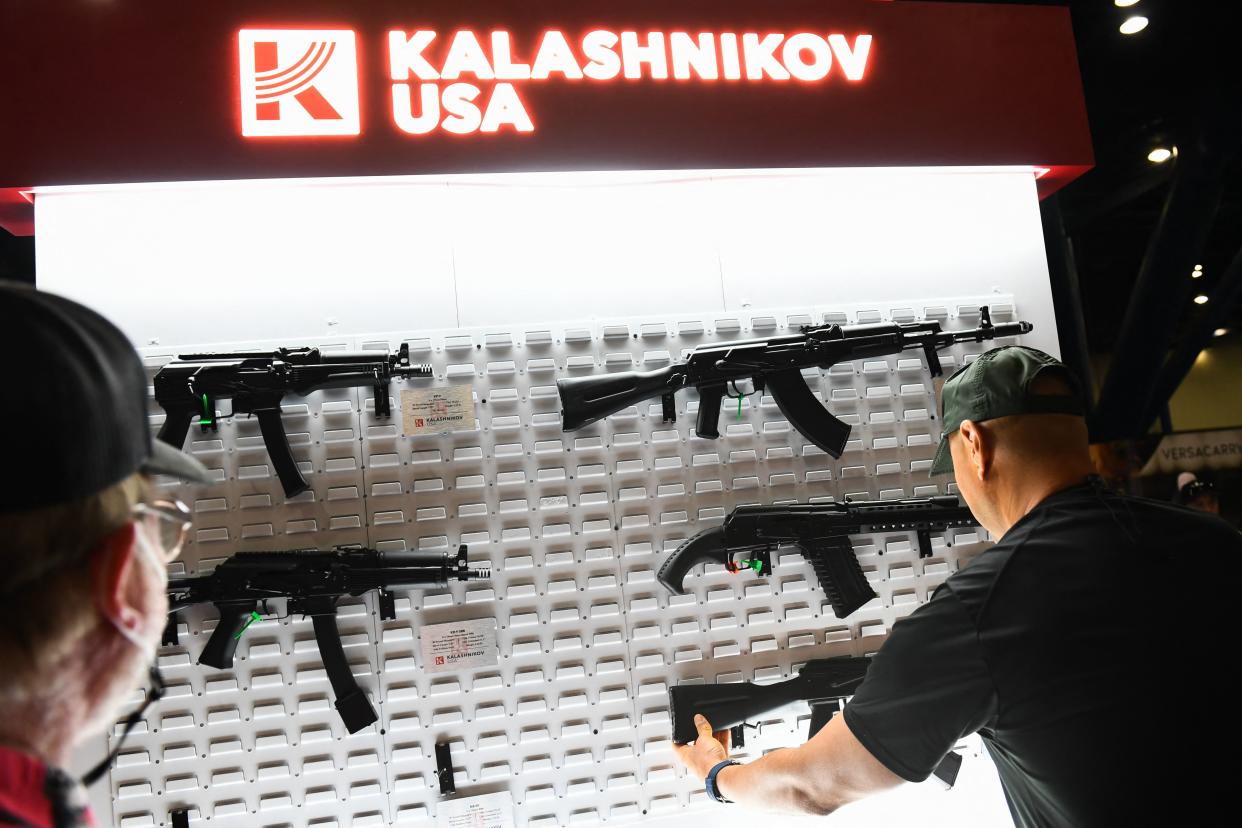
(973, 583)
(1174, 515)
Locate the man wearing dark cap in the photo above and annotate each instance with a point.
(1083, 646)
(85, 537)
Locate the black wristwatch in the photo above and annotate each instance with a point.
(710, 782)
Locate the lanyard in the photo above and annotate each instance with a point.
(154, 693)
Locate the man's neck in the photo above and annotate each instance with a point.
(1034, 488)
(72, 695)
(45, 727)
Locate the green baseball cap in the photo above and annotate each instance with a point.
(997, 384)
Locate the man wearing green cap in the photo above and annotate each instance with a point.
(1060, 645)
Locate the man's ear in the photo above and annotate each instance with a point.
(113, 565)
(978, 447)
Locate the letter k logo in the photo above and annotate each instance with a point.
(298, 82)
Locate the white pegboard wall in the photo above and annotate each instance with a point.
(573, 721)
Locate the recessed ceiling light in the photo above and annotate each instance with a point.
(1221, 331)
(1134, 25)
(1159, 155)
(1125, 4)
(1198, 267)
(1200, 299)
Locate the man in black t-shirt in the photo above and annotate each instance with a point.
(1084, 647)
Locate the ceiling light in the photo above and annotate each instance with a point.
(1200, 299)
(1134, 25)
(1125, 4)
(1159, 155)
(1221, 331)
(1198, 267)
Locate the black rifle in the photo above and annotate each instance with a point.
(823, 684)
(774, 363)
(190, 386)
(822, 534)
(313, 582)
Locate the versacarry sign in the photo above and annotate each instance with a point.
(1196, 451)
(148, 92)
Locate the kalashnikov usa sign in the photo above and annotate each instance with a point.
(238, 89)
(305, 82)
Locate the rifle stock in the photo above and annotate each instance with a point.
(728, 705)
(823, 684)
(706, 547)
(585, 400)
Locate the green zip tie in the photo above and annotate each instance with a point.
(254, 616)
(739, 406)
(206, 418)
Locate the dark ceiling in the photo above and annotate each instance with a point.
(1155, 88)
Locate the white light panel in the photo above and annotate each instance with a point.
(674, 259)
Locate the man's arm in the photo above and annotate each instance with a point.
(926, 688)
(831, 770)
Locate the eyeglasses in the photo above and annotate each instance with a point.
(169, 521)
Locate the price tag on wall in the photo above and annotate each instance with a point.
(489, 811)
(437, 410)
(452, 646)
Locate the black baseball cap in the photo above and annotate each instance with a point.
(74, 404)
(997, 384)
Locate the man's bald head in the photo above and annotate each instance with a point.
(999, 463)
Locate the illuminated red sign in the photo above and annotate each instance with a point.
(304, 82)
(298, 82)
(437, 87)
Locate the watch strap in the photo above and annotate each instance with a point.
(710, 782)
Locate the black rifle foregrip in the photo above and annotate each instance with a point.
(841, 577)
(223, 642)
(278, 450)
(708, 424)
(706, 547)
(176, 426)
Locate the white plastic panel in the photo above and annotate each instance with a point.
(573, 720)
(225, 261)
(465, 267)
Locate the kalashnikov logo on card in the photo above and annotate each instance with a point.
(305, 82)
(298, 82)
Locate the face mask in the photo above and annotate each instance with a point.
(156, 691)
(153, 558)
